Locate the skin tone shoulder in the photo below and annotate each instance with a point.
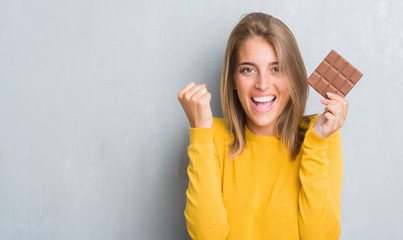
(263, 91)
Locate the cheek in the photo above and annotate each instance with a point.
(243, 84)
(283, 88)
(239, 85)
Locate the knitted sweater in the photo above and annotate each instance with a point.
(263, 194)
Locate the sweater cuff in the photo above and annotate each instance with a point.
(311, 139)
(201, 135)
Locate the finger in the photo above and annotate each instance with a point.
(334, 96)
(334, 99)
(345, 103)
(185, 89)
(337, 110)
(205, 98)
(333, 121)
(342, 105)
(189, 94)
(339, 99)
(325, 101)
(329, 116)
(200, 91)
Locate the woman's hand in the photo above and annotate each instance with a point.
(195, 100)
(333, 117)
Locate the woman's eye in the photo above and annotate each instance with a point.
(246, 70)
(276, 69)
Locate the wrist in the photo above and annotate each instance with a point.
(318, 131)
(202, 124)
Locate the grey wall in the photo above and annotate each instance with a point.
(93, 140)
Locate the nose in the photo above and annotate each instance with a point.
(263, 81)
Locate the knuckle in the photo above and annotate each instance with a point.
(180, 95)
(193, 99)
(187, 96)
(204, 103)
(206, 100)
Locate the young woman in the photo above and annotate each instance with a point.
(264, 171)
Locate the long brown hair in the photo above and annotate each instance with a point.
(290, 62)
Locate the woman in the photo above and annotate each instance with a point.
(264, 171)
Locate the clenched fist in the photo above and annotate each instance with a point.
(195, 100)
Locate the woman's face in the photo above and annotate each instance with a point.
(262, 89)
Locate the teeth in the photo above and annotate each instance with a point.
(263, 99)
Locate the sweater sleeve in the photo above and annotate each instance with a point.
(206, 216)
(321, 174)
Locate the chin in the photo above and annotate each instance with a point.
(263, 121)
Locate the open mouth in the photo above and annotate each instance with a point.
(263, 100)
(263, 104)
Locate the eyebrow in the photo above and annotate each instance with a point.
(252, 64)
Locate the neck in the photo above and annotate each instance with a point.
(268, 131)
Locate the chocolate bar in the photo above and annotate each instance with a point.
(334, 74)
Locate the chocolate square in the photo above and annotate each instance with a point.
(334, 74)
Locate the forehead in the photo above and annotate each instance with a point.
(256, 50)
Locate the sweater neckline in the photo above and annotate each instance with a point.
(251, 136)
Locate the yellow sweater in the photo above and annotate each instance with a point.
(262, 194)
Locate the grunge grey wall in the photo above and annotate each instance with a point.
(93, 140)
